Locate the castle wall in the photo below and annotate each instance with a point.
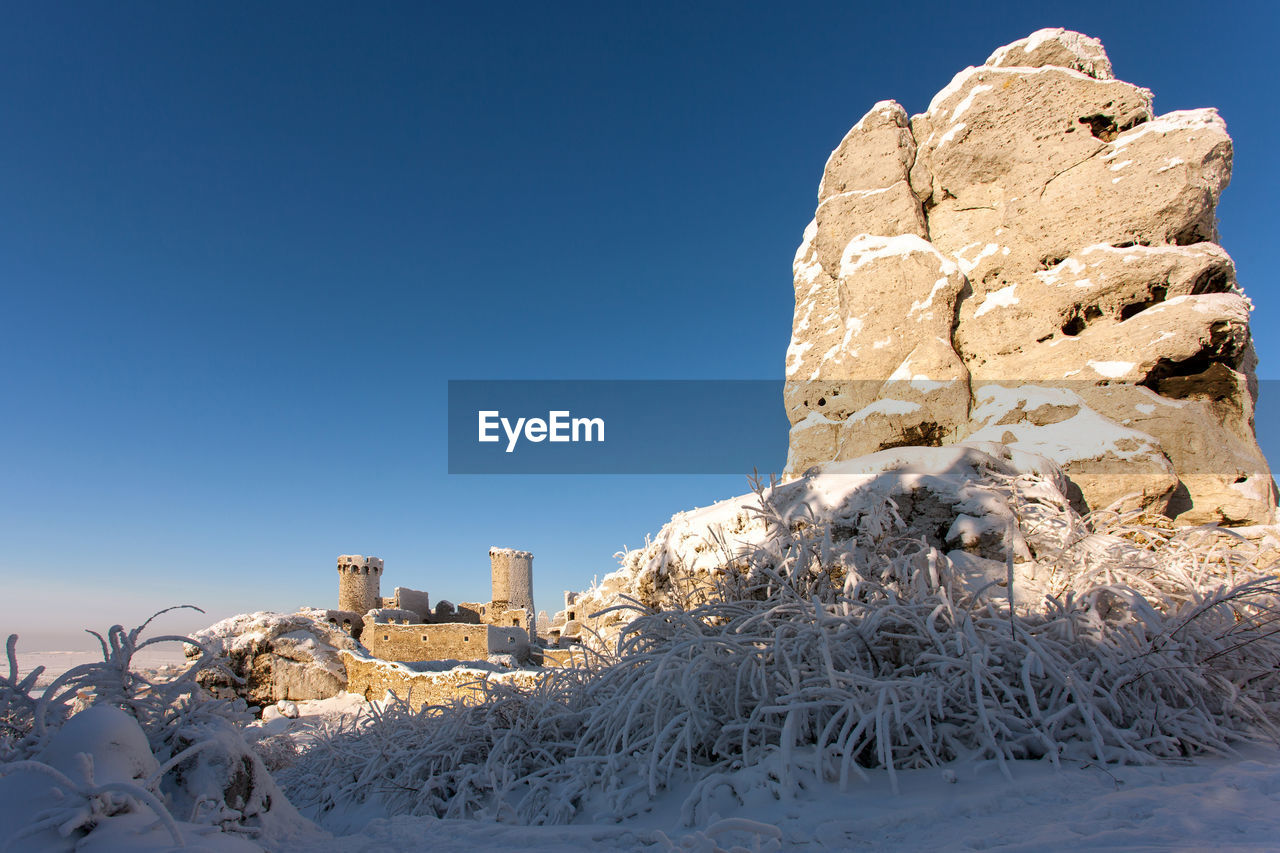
(413, 599)
(472, 612)
(373, 678)
(560, 657)
(518, 618)
(392, 616)
(346, 620)
(442, 642)
(447, 611)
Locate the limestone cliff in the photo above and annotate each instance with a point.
(1033, 261)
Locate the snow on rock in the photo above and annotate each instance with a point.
(1038, 223)
(279, 656)
(1058, 47)
(957, 498)
(1105, 459)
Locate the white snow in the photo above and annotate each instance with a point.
(852, 327)
(1225, 304)
(867, 248)
(1002, 298)
(1112, 369)
(809, 421)
(795, 354)
(959, 81)
(951, 133)
(922, 304)
(1070, 267)
(805, 266)
(1179, 120)
(884, 407)
(1211, 804)
(1084, 435)
(917, 381)
(968, 265)
(968, 101)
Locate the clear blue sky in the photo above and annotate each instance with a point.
(244, 246)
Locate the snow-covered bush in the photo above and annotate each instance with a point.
(160, 706)
(95, 782)
(842, 647)
(108, 751)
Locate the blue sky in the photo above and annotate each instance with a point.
(243, 247)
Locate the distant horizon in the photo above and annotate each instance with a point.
(247, 248)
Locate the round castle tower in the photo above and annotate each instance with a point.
(512, 582)
(359, 583)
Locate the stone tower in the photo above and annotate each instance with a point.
(513, 583)
(359, 583)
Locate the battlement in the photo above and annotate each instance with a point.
(358, 564)
(509, 553)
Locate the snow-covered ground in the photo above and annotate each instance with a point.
(1219, 803)
(843, 630)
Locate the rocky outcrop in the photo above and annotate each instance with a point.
(960, 499)
(1033, 261)
(275, 656)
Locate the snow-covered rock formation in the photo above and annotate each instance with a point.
(278, 656)
(968, 500)
(1033, 261)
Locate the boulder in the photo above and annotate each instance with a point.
(275, 656)
(1038, 225)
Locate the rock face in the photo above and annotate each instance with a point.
(278, 656)
(1032, 261)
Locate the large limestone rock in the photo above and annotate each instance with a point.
(275, 656)
(1033, 261)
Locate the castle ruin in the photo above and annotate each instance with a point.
(405, 628)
